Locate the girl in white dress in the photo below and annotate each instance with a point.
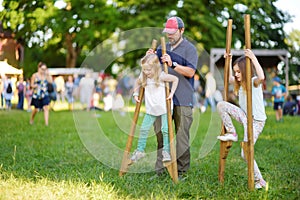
(153, 80)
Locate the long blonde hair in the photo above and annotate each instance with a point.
(241, 62)
(152, 61)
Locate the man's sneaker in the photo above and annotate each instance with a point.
(166, 156)
(228, 137)
(260, 184)
(137, 155)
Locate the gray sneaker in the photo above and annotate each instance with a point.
(137, 155)
(228, 137)
(166, 156)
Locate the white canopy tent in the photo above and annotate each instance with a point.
(5, 68)
(69, 71)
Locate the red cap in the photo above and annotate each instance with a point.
(173, 24)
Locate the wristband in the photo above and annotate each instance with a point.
(174, 64)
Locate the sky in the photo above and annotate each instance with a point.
(290, 6)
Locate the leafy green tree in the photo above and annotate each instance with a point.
(26, 21)
(206, 22)
(73, 30)
(82, 25)
(293, 42)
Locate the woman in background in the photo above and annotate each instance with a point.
(40, 97)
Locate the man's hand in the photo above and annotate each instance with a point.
(150, 51)
(166, 59)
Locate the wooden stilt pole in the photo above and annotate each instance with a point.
(225, 146)
(250, 144)
(171, 166)
(126, 156)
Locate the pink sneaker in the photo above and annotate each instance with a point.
(260, 184)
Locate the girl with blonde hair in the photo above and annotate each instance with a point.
(153, 79)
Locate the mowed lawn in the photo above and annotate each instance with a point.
(58, 162)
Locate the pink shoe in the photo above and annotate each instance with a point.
(259, 184)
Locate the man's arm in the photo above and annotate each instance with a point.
(185, 71)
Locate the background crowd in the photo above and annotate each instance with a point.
(104, 92)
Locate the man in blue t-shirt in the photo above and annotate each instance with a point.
(181, 58)
(279, 93)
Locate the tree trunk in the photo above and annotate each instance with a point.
(72, 52)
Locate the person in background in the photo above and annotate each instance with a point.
(86, 91)
(52, 94)
(76, 79)
(197, 92)
(228, 110)
(40, 97)
(28, 94)
(21, 87)
(279, 92)
(8, 92)
(210, 89)
(60, 88)
(3, 78)
(69, 91)
(290, 107)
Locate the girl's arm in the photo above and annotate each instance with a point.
(170, 78)
(231, 76)
(136, 90)
(259, 71)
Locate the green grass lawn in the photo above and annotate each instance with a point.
(78, 157)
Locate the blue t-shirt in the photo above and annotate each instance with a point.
(278, 91)
(184, 54)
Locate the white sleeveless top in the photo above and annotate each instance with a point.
(155, 97)
(258, 107)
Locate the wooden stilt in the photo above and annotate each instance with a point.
(245, 147)
(171, 166)
(250, 145)
(126, 156)
(225, 146)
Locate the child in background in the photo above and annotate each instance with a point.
(70, 89)
(152, 79)
(290, 107)
(279, 93)
(228, 110)
(8, 92)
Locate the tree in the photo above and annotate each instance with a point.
(72, 30)
(206, 22)
(293, 42)
(75, 28)
(85, 24)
